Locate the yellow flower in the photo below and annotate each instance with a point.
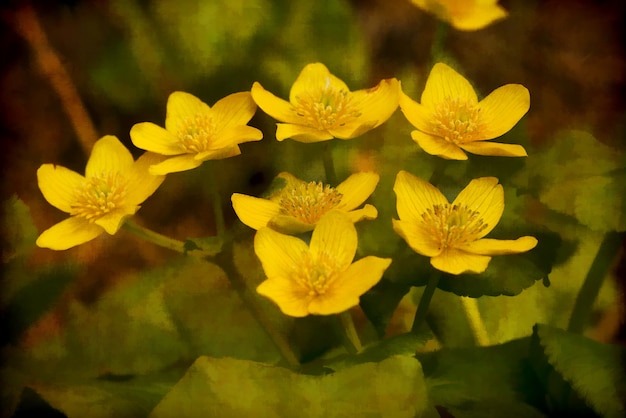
(451, 234)
(298, 206)
(195, 132)
(319, 279)
(113, 188)
(450, 118)
(464, 14)
(321, 107)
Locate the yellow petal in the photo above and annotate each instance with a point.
(367, 212)
(182, 106)
(335, 235)
(291, 299)
(253, 211)
(495, 149)
(112, 221)
(485, 196)
(415, 196)
(68, 233)
(108, 156)
(301, 133)
(58, 185)
(280, 254)
(503, 108)
(279, 109)
(444, 83)
(438, 146)
(356, 189)
(142, 184)
(418, 115)
(233, 110)
(455, 261)
(235, 135)
(290, 225)
(313, 78)
(150, 137)
(291, 181)
(344, 293)
(479, 17)
(420, 239)
(498, 247)
(175, 164)
(217, 154)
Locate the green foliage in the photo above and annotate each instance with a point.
(18, 232)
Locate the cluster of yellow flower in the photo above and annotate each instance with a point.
(319, 278)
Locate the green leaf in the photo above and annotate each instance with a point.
(229, 388)
(18, 231)
(594, 370)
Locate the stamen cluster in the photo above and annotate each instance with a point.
(457, 121)
(99, 195)
(327, 109)
(195, 133)
(309, 201)
(317, 273)
(453, 225)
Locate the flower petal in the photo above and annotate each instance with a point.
(253, 211)
(108, 155)
(235, 135)
(280, 254)
(301, 133)
(443, 84)
(291, 299)
(279, 109)
(182, 106)
(150, 137)
(68, 233)
(485, 196)
(438, 146)
(289, 225)
(367, 212)
(503, 108)
(488, 246)
(313, 78)
(217, 154)
(356, 189)
(418, 115)
(415, 196)
(479, 17)
(344, 293)
(455, 261)
(58, 185)
(233, 110)
(495, 149)
(112, 221)
(335, 235)
(419, 238)
(142, 184)
(175, 164)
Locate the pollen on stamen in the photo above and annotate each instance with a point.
(457, 121)
(316, 273)
(453, 225)
(99, 195)
(309, 201)
(195, 133)
(326, 109)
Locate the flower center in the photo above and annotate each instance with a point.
(309, 201)
(195, 133)
(317, 273)
(99, 195)
(326, 108)
(456, 121)
(453, 225)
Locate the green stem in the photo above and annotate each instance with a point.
(220, 225)
(593, 282)
(153, 237)
(352, 342)
(439, 38)
(329, 165)
(422, 308)
(470, 306)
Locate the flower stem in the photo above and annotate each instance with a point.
(593, 281)
(154, 237)
(470, 306)
(422, 308)
(352, 342)
(329, 165)
(220, 225)
(439, 38)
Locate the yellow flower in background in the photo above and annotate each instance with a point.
(299, 205)
(318, 279)
(195, 132)
(464, 15)
(321, 107)
(451, 234)
(451, 120)
(112, 189)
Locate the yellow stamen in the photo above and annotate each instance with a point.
(456, 121)
(195, 133)
(309, 201)
(99, 195)
(317, 274)
(453, 225)
(326, 108)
